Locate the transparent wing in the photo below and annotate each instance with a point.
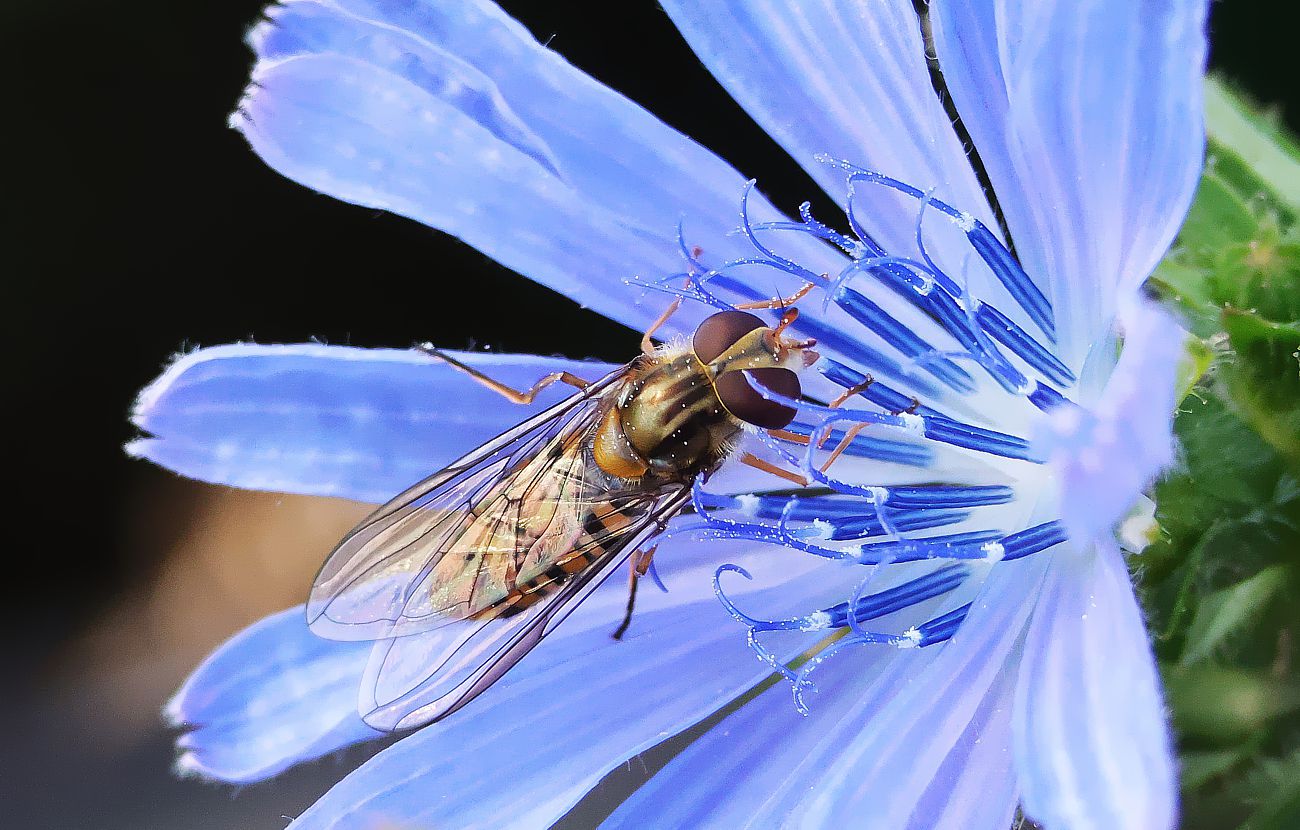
(413, 680)
(456, 544)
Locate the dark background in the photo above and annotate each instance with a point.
(135, 223)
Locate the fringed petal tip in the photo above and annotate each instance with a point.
(173, 711)
(273, 696)
(188, 765)
(1104, 455)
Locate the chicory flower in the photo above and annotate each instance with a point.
(974, 639)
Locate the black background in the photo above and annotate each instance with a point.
(135, 223)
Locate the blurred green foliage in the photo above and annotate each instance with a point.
(1222, 582)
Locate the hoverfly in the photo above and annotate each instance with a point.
(457, 578)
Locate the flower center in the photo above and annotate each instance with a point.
(956, 415)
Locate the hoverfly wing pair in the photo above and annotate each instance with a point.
(457, 578)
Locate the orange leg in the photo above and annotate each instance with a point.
(842, 445)
(646, 346)
(778, 302)
(787, 435)
(850, 392)
(856, 428)
(509, 393)
(768, 467)
(911, 410)
(638, 564)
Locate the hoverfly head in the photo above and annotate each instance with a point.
(732, 343)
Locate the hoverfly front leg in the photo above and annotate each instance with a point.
(638, 564)
(751, 460)
(507, 392)
(646, 346)
(779, 302)
(853, 431)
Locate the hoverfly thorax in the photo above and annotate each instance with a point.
(681, 407)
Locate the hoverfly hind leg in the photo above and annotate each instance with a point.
(638, 564)
(509, 393)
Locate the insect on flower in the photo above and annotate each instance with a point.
(493, 551)
(958, 557)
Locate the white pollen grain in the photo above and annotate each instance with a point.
(993, 551)
(816, 621)
(747, 504)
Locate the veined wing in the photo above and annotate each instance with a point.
(467, 538)
(413, 680)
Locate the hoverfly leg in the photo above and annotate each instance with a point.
(768, 467)
(646, 346)
(911, 409)
(856, 428)
(507, 392)
(779, 302)
(638, 564)
(842, 445)
(787, 435)
(851, 391)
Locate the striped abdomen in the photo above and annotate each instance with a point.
(603, 530)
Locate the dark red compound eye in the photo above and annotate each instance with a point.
(721, 331)
(743, 401)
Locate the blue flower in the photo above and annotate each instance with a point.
(990, 652)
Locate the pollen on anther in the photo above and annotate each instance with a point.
(816, 621)
(913, 423)
(911, 638)
(747, 504)
(993, 551)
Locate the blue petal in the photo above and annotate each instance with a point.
(329, 420)
(273, 696)
(1087, 116)
(976, 787)
(1104, 455)
(884, 726)
(854, 85)
(1092, 747)
(452, 114)
(530, 747)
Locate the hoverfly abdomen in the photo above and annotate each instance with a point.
(602, 522)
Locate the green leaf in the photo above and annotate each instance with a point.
(1279, 802)
(1196, 768)
(1229, 611)
(1222, 705)
(1259, 287)
(1220, 213)
(1192, 366)
(1254, 141)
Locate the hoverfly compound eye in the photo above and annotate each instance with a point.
(721, 331)
(744, 401)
